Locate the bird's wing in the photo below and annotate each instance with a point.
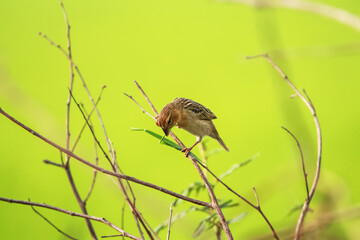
(202, 112)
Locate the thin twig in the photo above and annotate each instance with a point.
(88, 118)
(69, 54)
(257, 208)
(256, 196)
(52, 163)
(170, 218)
(323, 221)
(147, 98)
(311, 107)
(111, 236)
(67, 163)
(74, 214)
(302, 161)
(123, 217)
(94, 176)
(143, 110)
(51, 224)
(134, 210)
(53, 43)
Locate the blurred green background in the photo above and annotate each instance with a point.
(192, 49)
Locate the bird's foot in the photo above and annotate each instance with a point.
(187, 151)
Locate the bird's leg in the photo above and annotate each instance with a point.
(187, 150)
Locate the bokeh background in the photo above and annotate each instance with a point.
(192, 49)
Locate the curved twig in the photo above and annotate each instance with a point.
(305, 98)
(75, 214)
(302, 161)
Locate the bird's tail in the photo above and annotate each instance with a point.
(221, 142)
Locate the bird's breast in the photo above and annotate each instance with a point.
(198, 127)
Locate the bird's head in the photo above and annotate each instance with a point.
(168, 118)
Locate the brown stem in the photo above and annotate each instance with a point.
(302, 161)
(170, 218)
(81, 215)
(137, 216)
(305, 98)
(67, 163)
(51, 224)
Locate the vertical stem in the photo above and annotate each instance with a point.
(67, 163)
(305, 98)
(214, 202)
(202, 149)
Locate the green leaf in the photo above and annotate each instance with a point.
(237, 218)
(205, 224)
(294, 209)
(237, 166)
(165, 141)
(195, 186)
(214, 151)
(176, 217)
(228, 204)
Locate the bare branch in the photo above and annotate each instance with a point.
(147, 99)
(88, 118)
(75, 214)
(94, 176)
(51, 224)
(67, 163)
(52, 163)
(143, 110)
(169, 225)
(256, 196)
(134, 210)
(69, 54)
(54, 44)
(311, 107)
(302, 161)
(257, 208)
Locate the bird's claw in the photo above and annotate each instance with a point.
(187, 151)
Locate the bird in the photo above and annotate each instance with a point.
(190, 116)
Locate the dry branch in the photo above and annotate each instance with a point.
(43, 205)
(305, 98)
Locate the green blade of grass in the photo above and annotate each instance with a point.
(237, 218)
(237, 166)
(165, 141)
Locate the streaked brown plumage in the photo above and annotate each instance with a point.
(190, 116)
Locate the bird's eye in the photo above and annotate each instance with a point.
(169, 122)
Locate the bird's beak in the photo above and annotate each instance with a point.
(166, 131)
